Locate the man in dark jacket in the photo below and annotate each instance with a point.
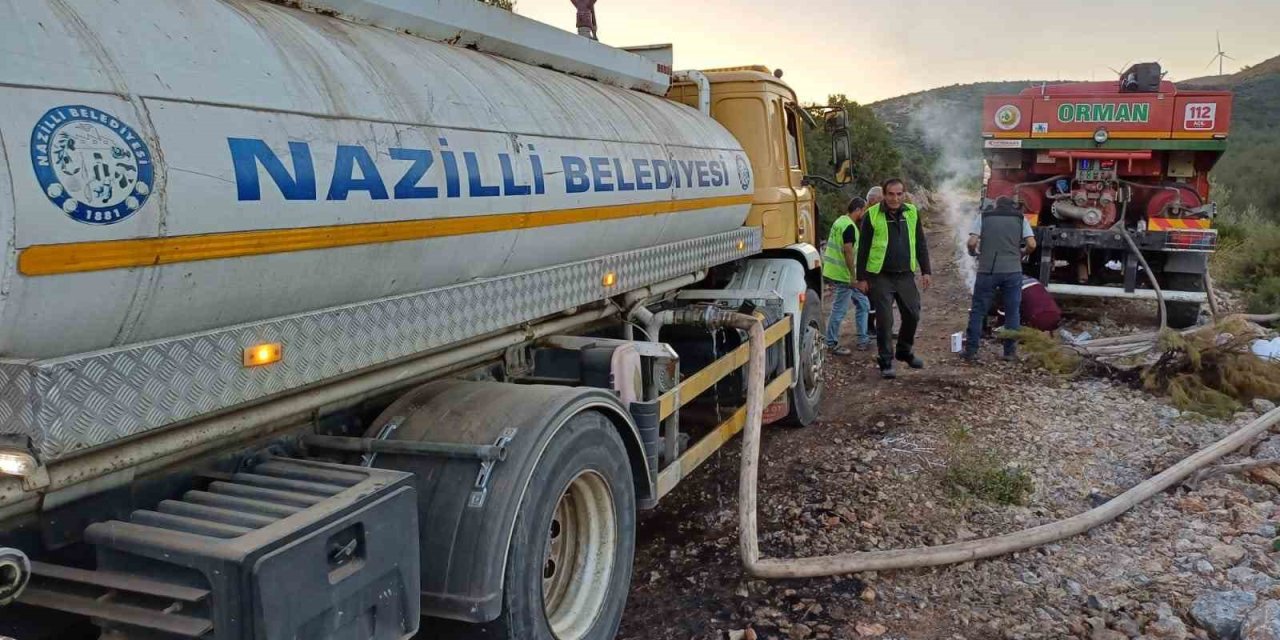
(891, 249)
(999, 238)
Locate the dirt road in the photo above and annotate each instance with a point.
(898, 463)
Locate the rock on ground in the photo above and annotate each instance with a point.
(1250, 579)
(1263, 623)
(1269, 449)
(1221, 613)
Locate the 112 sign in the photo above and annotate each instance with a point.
(1200, 115)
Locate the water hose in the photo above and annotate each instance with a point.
(1146, 268)
(939, 555)
(1214, 308)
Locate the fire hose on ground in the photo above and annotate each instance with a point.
(924, 556)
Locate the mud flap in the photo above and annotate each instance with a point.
(467, 508)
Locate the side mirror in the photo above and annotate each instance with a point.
(844, 175)
(836, 121)
(842, 156)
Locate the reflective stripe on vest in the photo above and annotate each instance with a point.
(833, 266)
(880, 240)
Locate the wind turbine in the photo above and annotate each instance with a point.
(1220, 56)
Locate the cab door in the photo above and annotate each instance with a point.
(802, 196)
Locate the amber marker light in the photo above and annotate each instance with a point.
(263, 354)
(742, 245)
(610, 278)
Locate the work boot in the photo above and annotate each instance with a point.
(1010, 357)
(887, 371)
(840, 351)
(912, 360)
(969, 357)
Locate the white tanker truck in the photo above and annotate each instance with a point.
(365, 318)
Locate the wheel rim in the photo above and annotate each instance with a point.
(812, 370)
(578, 564)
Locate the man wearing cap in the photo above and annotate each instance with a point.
(838, 261)
(999, 239)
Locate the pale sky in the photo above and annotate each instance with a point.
(871, 51)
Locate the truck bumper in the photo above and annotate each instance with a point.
(1168, 252)
(1191, 241)
(1059, 289)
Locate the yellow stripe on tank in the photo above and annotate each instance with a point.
(51, 259)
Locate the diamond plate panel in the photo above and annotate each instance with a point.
(86, 400)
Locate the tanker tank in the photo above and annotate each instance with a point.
(258, 161)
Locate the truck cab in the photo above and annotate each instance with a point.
(762, 112)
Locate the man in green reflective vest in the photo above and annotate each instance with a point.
(838, 267)
(891, 249)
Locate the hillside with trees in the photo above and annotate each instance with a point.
(1250, 170)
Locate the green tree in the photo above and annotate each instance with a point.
(874, 159)
(509, 5)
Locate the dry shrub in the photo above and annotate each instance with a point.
(982, 474)
(1045, 351)
(1212, 371)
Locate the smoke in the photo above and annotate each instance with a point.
(957, 171)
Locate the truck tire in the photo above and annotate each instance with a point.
(568, 567)
(807, 393)
(1183, 314)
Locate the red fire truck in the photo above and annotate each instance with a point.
(1113, 175)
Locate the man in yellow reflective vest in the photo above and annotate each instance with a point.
(875, 195)
(838, 268)
(891, 250)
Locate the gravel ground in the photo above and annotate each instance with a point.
(873, 475)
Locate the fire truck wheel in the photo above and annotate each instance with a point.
(1183, 314)
(569, 564)
(805, 396)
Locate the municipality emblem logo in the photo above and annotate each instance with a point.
(1008, 117)
(744, 173)
(91, 165)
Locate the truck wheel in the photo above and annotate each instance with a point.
(1183, 314)
(805, 396)
(569, 564)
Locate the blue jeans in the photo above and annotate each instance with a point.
(840, 306)
(984, 293)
